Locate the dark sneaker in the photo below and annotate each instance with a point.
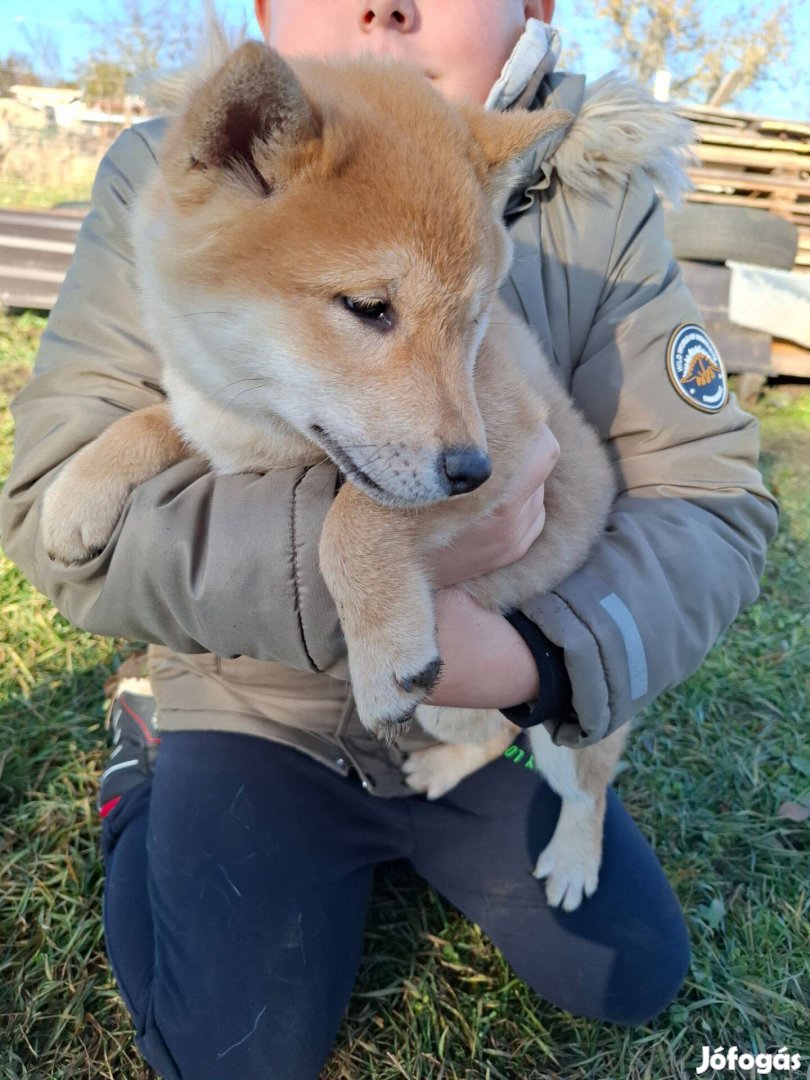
(135, 740)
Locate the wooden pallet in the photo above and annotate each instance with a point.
(789, 359)
(35, 251)
(754, 161)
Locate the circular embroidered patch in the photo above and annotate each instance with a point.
(695, 368)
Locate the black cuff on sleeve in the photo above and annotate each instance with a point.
(554, 700)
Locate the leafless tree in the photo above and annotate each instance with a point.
(696, 44)
(140, 37)
(45, 52)
(15, 68)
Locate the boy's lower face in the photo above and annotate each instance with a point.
(461, 45)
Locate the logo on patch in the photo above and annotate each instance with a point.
(695, 368)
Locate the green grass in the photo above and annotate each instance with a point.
(708, 769)
(22, 195)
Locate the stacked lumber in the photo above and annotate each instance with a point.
(754, 161)
(35, 251)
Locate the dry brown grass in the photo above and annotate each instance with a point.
(39, 167)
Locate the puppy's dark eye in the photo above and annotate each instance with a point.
(378, 313)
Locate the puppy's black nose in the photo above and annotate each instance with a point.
(464, 469)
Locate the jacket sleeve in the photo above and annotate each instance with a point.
(226, 564)
(685, 544)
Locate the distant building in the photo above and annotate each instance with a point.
(46, 106)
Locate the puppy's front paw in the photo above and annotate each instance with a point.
(386, 695)
(78, 520)
(436, 770)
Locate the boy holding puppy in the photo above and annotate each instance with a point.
(239, 867)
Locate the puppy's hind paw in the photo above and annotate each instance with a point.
(571, 875)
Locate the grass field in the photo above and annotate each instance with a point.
(711, 765)
(22, 195)
(43, 169)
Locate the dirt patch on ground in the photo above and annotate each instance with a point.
(13, 378)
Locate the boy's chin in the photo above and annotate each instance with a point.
(462, 92)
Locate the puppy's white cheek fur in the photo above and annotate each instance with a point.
(480, 331)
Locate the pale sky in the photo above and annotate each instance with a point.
(61, 17)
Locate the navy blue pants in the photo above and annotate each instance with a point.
(238, 882)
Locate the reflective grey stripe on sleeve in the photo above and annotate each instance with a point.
(634, 646)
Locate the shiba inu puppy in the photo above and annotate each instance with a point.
(319, 254)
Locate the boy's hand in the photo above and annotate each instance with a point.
(506, 535)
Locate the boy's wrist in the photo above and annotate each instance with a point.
(555, 697)
(487, 664)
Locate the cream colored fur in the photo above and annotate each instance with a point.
(621, 128)
(286, 195)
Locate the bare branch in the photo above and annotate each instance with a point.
(699, 48)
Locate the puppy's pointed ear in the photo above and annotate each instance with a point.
(504, 137)
(252, 104)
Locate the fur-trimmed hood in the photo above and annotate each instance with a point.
(618, 127)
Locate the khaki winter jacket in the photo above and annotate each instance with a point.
(221, 572)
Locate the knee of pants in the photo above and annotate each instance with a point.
(641, 986)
